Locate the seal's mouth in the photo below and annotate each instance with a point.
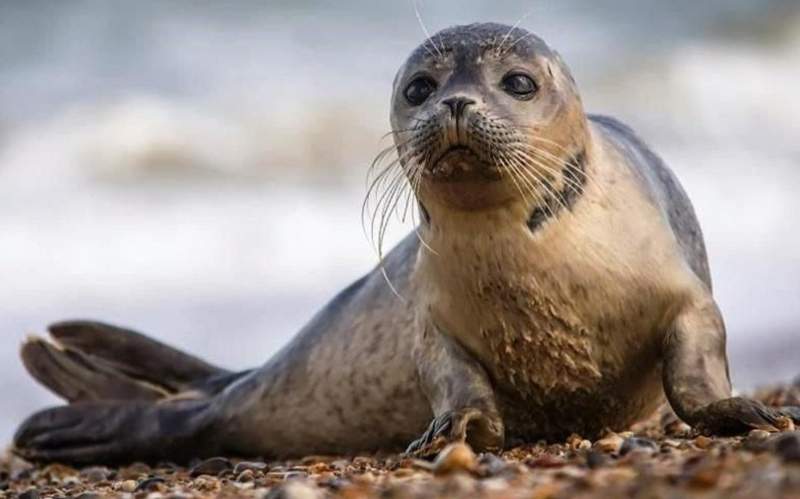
(460, 162)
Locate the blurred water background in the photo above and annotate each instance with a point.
(196, 169)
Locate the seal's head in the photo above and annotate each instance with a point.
(484, 115)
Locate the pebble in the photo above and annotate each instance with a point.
(595, 459)
(245, 476)
(213, 467)
(784, 423)
(150, 485)
(491, 464)
(610, 444)
(455, 457)
(638, 444)
(95, 473)
(30, 494)
(250, 465)
(294, 489)
(787, 446)
(756, 440)
(127, 485)
(703, 442)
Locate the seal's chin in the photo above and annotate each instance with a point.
(459, 163)
(460, 179)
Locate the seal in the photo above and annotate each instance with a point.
(557, 283)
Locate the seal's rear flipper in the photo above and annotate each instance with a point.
(78, 377)
(134, 353)
(115, 432)
(91, 361)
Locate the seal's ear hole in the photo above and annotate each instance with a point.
(550, 70)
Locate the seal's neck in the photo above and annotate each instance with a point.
(441, 218)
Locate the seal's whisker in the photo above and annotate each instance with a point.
(516, 177)
(426, 32)
(384, 152)
(511, 47)
(378, 184)
(550, 191)
(572, 169)
(514, 170)
(499, 48)
(530, 176)
(553, 168)
(388, 184)
(391, 133)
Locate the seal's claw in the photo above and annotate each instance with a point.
(736, 415)
(465, 425)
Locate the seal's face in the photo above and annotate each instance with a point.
(483, 115)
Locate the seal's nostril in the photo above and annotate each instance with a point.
(457, 105)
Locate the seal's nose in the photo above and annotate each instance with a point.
(457, 105)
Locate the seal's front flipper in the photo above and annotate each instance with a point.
(115, 432)
(696, 379)
(460, 394)
(482, 432)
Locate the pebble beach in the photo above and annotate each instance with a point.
(660, 457)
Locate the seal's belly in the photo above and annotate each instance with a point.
(560, 368)
(562, 385)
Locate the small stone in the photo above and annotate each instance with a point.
(403, 472)
(545, 461)
(150, 485)
(30, 494)
(757, 441)
(703, 442)
(492, 465)
(638, 444)
(595, 459)
(758, 435)
(574, 440)
(784, 423)
(458, 485)
(610, 444)
(455, 457)
(294, 489)
(213, 467)
(58, 472)
(127, 485)
(253, 466)
(340, 464)
(787, 446)
(245, 476)
(95, 474)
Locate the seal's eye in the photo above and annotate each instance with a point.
(419, 90)
(519, 85)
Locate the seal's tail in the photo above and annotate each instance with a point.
(90, 361)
